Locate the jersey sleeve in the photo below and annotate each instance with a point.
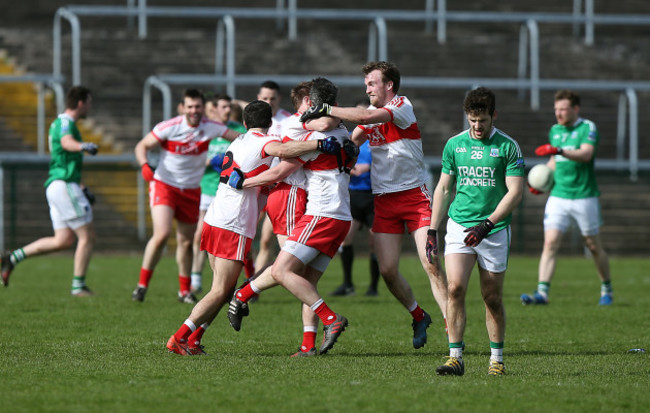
(515, 165)
(591, 136)
(401, 112)
(448, 161)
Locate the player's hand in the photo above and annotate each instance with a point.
(547, 149)
(478, 232)
(236, 179)
(329, 145)
(351, 150)
(316, 111)
(217, 162)
(147, 172)
(533, 190)
(89, 147)
(431, 247)
(89, 195)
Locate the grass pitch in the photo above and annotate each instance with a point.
(107, 353)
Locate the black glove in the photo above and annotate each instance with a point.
(236, 179)
(351, 150)
(90, 147)
(316, 111)
(89, 195)
(329, 145)
(478, 232)
(431, 247)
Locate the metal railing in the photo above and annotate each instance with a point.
(42, 81)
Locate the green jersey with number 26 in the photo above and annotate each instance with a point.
(480, 168)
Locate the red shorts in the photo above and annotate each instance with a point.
(285, 206)
(411, 207)
(224, 244)
(323, 234)
(184, 202)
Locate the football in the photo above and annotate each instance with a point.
(540, 177)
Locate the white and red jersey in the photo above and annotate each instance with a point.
(327, 187)
(184, 150)
(236, 210)
(293, 129)
(276, 125)
(396, 148)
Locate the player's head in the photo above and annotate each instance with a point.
(298, 95)
(270, 93)
(480, 110)
(567, 107)
(193, 104)
(79, 99)
(382, 82)
(323, 91)
(218, 108)
(258, 114)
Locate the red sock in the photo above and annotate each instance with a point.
(418, 313)
(145, 277)
(195, 338)
(308, 341)
(249, 267)
(326, 315)
(246, 293)
(185, 282)
(183, 333)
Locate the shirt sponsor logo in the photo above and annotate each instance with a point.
(476, 176)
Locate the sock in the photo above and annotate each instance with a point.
(606, 288)
(374, 272)
(543, 288)
(184, 283)
(247, 292)
(196, 278)
(17, 256)
(78, 282)
(194, 339)
(456, 350)
(308, 338)
(249, 267)
(184, 332)
(347, 256)
(496, 351)
(326, 315)
(145, 277)
(416, 312)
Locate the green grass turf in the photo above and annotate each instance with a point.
(107, 353)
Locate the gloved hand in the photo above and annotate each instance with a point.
(431, 247)
(89, 195)
(217, 162)
(89, 147)
(533, 190)
(351, 150)
(316, 111)
(478, 232)
(236, 178)
(329, 145)
(147, 172)
(547, 149)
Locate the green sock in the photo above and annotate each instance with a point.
(606, 287)
(78, 282)
(17, 256)
(543, 287)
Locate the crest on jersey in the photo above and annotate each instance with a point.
(494, 152)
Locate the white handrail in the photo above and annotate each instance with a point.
(226, 35)
(377, 40)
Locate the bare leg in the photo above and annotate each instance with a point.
(162, 217)
(388, 247)
(495, 312)
(548, 260)
(84, 250)
(459, 269)
(595, 246)
(435, 272)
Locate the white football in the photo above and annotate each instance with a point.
(540, 177)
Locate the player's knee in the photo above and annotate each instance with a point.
(456, 291)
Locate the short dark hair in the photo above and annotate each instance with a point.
(258, 114)
(222, 96)
(572, 96)
(75, 95)
(389, 72)
(269, 84)
(323, 91)
(480, 100)
(298, 93)
(194, 94)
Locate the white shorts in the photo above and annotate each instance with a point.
(69, 207)
(492, 252)
(585, 212)
(205, 202)
(308, 255)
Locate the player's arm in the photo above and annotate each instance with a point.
(359, 169)
(511, 199)
(361, 116)
(441, 200)
(141, 148)
(273, 175)
(583, 154)
(359, 137)
(324, 124)
(230, 135)
(293, 149)
(68, 143)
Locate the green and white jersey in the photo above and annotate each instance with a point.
(480, 168)
(574, 180)
(64, 165)
(210, 180)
